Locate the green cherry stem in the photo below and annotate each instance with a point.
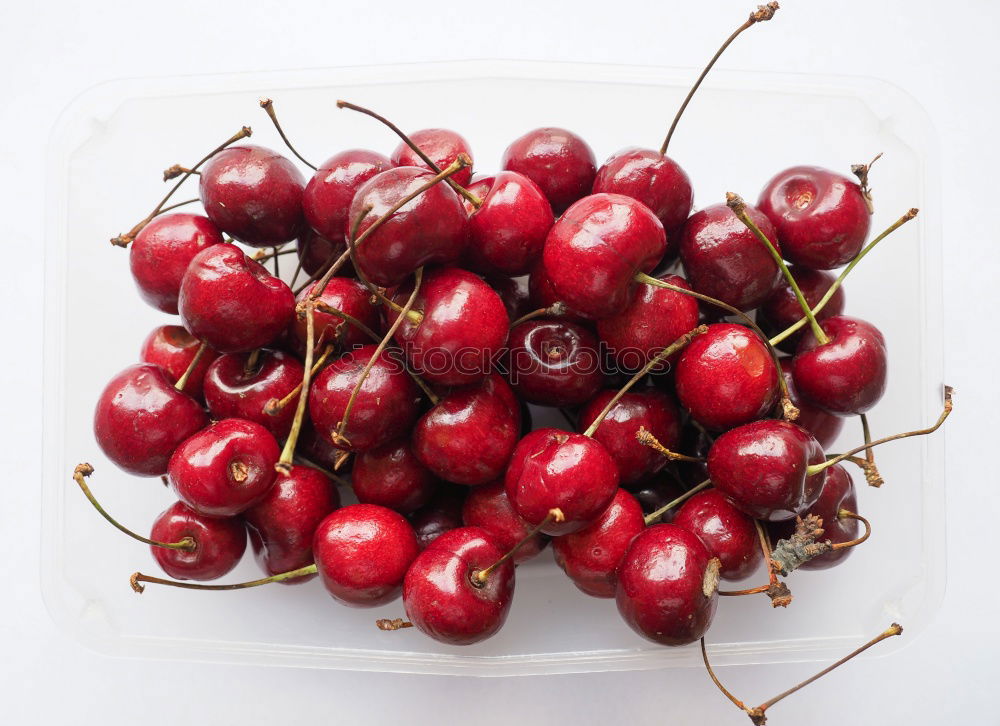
(183, 380)
(284, 465)
(653, 516)
(479, 577)
(138, 578)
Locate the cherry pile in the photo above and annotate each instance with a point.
(702, 361)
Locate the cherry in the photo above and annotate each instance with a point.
(554, 362)
(348, 296)
(162, 251)
(439, 515)
(219, 543)
(283, 523)
(469, 436)
(667, 585)
(821, 217)
(316, 253)
(173, 349)
(782, 309)
(541, 294)
(824, 426)
(225, 468)
(552, 469)
(391, 476)
(140, 418)
(233, 303)
(591, 556)
(695, 441)
(558, 161)
(442, 146)
(595, 249)
(444, 601)
(765, 469)
(237, 387)
(488, 508)
(513, 292)
(729, 534)
(650, 410)
(253, 194)
(327, 197)
(653, 494)
(846, 375)
(363, 551)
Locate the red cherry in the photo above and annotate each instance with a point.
(824, 426)
(554, 362)
(327, 197)
(391, 476)
(316, 253)
(782, 308)
(219, 543)
(172, 348)
(541, 294)
(439, 515)
(728, 533)
(442, 146)
(348, 296)
(558, 161)
(488, 508)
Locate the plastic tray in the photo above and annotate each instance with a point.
(104, 161)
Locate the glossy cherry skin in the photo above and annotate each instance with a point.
(654, 319)
(655, 180)
(488, 508)
(653, 494)
(348, 296)
(541, 294)
(428, 229)
(728, 533)
(664, 591)
(140, 418)
(555, 469)
(328, 194)
(782, 309)
(282, 524)
(762, 469)
(172, 348)
(595, 249)
(470, 434)
(442, 146)
(723, 259)
(391, 476)
(823, 425)
(513, 293)
(363, 552)
(651, 410)
(233, 392)
(726, 377)
(591, 556)
(820, 216)
(508, 231)
(253, 194)
(553, 362)
(386, 407)
(439, 515)
(162, 251)
(233, 303)
(561, 163)
(846, 375)
(219, 543)
(463, 330)
(316, 253)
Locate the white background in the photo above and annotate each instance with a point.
(943, 54)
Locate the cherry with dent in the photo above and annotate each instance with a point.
(174, 349)
(553, 362)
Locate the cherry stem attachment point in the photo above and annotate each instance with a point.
(845, 514)
(183, 380)
(872, 475)
(479, 577)
(555, 309)
(268, 105)
(655, 515)
(646, 438)
(275, 406)
(861, 172)
(781, 596)
(138, 578)
(284, 465)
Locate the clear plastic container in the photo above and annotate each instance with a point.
(104, 162)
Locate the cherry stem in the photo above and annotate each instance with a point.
(84, 470)
(750, 591)
(276, 406)
(250, 365)
(708, 666)
(183, 380)
(284, 465)
(646, 438)
(179, 204)
(653, 362)
(556, 309)
(347, 318)
(172, 172)
(138, 577)
(303, 461)
(479, 577)
(801, 322)
(268, 105)
(653, 516)
(392, 624)
(778, 591)
(123, 240)
(302, 254)
(735, 202)
(473, 199)
(948, 391)
(845, 514)
(861, 172)
(262, 256)
(872, 475)
(763, 12)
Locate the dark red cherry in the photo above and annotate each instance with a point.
(363, 552)
(162, 251)
(558, 161)
(726, 377)
(219, 543)
(554, 362)
(224, 469)
(328, 194)
(317, 253)
(595, 249)
(821, 217)
(846, 375)
(253, 194)
(723, 259)
(140, 418)
(541, 294)
(391, 476)
(348, 296)
(591, 556)
(442, 146)
(728, 533)
(762, 468)
(555, 469)
(441, 514)
(428, 229)
(386, 406)
(173, 348)
(655, 493)
(234, 391)
(651, 410)
(233, 303)
(488, 508)
(508, 231)
(823, 425)
(513, 293)
(667, 585)
(782, 308)
(283, 523)
(695, 441)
